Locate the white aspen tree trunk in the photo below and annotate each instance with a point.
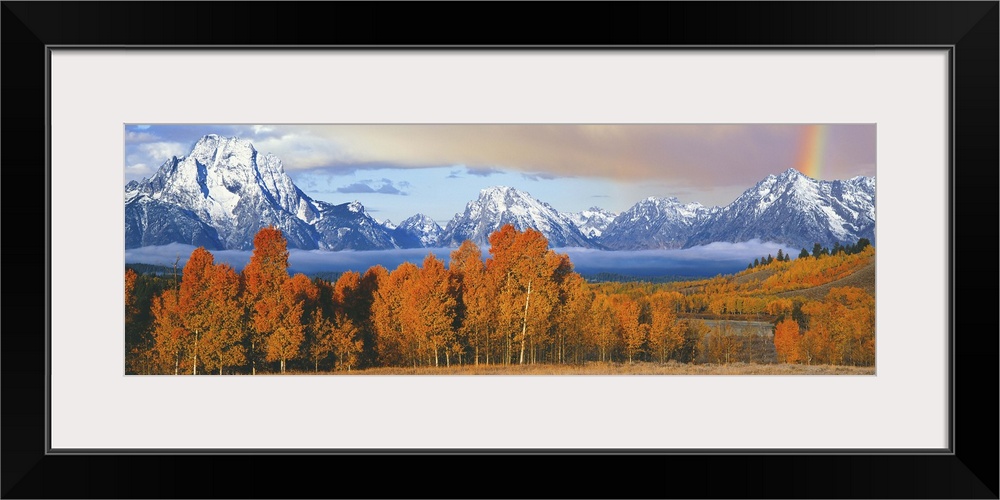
(524, 323)
(194, 365)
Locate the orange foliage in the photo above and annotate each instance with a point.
(786, 341)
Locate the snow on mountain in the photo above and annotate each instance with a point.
(501, 205)
(222, 193)
(416, 232)
(797, 210)
(592, 222)
(654, 223)
(348, 227)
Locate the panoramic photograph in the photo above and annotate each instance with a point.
(499, 249)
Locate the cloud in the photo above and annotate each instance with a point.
(538, 176)
(357, 187)
(482, 171)
(162, 151)
(140, 137)
(715, 161)
(701, 261)
(383, 186)
(138, 169)
(454, 174)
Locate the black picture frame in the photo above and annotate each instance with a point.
(969, 470)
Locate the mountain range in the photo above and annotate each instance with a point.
(224, 191)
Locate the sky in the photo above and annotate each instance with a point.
(396, 171)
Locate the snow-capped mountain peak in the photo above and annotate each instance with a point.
(417, 231)
(593, 221)
(500, 205)
(795, 209)
(655, 222)
(224, 191)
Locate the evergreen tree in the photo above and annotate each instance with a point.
(817, 250)
(804, 253)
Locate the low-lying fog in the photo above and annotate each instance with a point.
(706, 260)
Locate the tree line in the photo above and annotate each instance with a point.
(523, 304)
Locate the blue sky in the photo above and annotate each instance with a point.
(399, 170)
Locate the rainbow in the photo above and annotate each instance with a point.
(811, 149)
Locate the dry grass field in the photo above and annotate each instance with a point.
(596, 368)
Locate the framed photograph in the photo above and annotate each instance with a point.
(919, 102)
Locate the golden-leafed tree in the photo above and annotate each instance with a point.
(630, 331)
(169, 332)
(263, 278)
(138, 343)
(842, 328)
(573, 318)
(786, 341)
(194, 299)
(319, 338)
(222, 343)
(282, 319)
(360, 314)
(666, 335)
(429, 309)
(527, 277)
(392, 333)
(603, 326)
(346, 343)
(130, 299)
(345, 293)
(474, 305)
(274, 302)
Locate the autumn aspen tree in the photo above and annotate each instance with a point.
(666, 335)
(263, 279)
(169, 332)
(525, 273)
(194, 299)
(223, 339)
(786, 341)
(474, 304)
(627, 312)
